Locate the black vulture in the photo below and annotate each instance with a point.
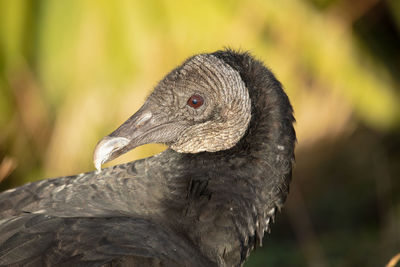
(205, 201)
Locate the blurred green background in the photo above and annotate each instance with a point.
(72, 71)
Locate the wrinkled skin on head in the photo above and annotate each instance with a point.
(218, 122)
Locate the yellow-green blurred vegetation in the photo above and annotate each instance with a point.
(72, 71)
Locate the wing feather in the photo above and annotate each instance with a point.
(48, 240)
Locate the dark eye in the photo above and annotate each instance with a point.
(195, 101)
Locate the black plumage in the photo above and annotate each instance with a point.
(205, 201)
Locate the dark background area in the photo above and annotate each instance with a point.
(71, 71)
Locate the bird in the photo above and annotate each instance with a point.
(207, 200)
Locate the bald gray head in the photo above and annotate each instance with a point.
(202, 105)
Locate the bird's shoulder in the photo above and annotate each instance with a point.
(106, 193)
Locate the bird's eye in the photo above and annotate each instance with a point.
(195, 101)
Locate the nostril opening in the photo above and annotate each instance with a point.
(145, 117)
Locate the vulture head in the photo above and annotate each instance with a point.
(203, 105)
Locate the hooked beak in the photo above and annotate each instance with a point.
(129, 135)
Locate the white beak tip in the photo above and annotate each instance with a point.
(105, 148)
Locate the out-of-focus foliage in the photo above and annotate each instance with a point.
(72, 71)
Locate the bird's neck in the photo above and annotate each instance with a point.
(225, 201)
